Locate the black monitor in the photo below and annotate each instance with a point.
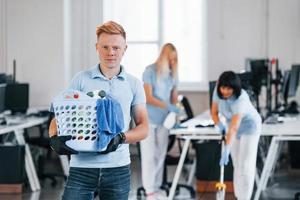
(294, 80)
(2, 97)
(259, 70)
(10, 79)
(2, 78)
(17, 97)
(212, 85)
(285, 85)
(246, 80)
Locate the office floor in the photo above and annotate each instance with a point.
(283, 186)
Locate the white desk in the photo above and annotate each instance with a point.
(18, 130)
(287, 131)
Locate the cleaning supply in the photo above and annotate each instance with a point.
(76, 116)
(109, 120)
(221, 186)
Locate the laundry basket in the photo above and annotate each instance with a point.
(75, 114)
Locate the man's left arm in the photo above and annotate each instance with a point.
(140, 132)
(134, 135)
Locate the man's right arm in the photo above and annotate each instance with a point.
(52, 127)
(58, 144)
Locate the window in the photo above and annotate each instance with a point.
(151, 23)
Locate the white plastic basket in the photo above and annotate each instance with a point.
(75, 114)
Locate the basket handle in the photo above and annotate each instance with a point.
(71, 94)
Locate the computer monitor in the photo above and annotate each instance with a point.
(285, 85)
(2, 78)
(259, 70)
(294, 80)
(10, 79)
(2, 97)
(17, 97)
(212, 85)
(246, 79)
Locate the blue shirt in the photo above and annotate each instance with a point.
(251, 120)
(129, 92)
(161, 89)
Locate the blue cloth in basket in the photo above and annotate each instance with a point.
(110, 120)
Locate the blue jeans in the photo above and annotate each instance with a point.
(111, 183)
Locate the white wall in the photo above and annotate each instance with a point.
(3, 34)
(82, 18)
(49, 52)
(284, 31)
(235, 31)
(51, 41)
(35, 40)
(239, 29)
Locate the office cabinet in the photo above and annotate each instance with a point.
(12, 164)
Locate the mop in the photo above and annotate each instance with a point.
(221, 186)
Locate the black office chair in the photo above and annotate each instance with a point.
(43, 141)
(171, 160)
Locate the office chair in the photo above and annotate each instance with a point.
(171, 160)
(43, 141)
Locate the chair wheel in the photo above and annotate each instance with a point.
(140, 193)
(166, 188)
(139, 197)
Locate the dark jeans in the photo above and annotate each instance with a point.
(111, 183)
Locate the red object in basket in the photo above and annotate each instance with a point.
(76, 96)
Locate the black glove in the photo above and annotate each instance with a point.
(58, 144)
(114, 143)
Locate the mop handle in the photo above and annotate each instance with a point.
(222, 150)
(220, 185)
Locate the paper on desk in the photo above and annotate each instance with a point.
(11, 120)
(203, 119)
(287, 119)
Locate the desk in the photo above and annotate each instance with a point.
(287, 131)
(18, 130)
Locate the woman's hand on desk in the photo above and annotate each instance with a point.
(221, 127)
(58, 144)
